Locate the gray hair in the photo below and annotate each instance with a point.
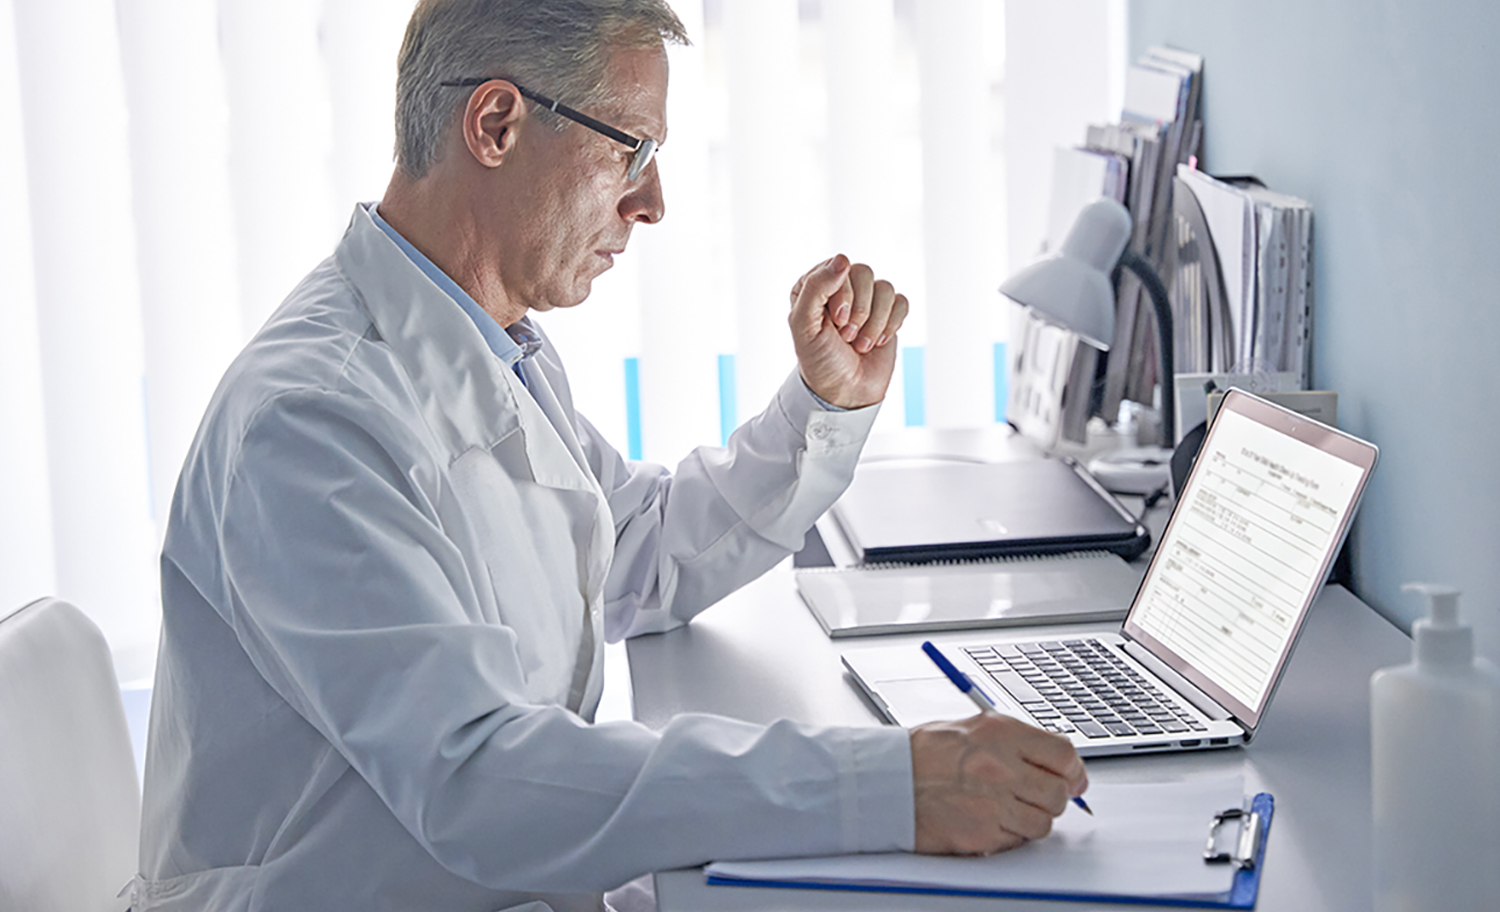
(557, 47)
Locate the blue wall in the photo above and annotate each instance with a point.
(1383, 114)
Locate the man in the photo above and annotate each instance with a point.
(395, 550)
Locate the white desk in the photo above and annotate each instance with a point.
(760, 656)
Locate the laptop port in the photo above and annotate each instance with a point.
(1151, 747)
(1218, 742)
(1194, 742)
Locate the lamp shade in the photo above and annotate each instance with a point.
(1072, 289)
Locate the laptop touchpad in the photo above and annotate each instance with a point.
(914, 701)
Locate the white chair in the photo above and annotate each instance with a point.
(70, 807)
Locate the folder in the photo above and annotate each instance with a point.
(1251, 248)
(1186, 844)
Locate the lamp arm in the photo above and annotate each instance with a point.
(1165, 340)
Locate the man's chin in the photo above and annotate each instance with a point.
(567, 302)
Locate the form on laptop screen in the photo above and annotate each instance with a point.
(1245, 553)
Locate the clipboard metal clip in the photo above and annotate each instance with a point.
(1247, 847)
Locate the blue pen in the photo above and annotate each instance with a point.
(967, 687)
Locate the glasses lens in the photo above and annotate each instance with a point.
(642, 159)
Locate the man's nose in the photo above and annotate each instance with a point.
(643, 201)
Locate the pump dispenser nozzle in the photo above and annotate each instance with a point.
(1441, 640)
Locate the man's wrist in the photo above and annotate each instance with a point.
(827, 406)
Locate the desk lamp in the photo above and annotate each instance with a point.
(1073, 290)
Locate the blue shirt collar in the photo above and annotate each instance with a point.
(511, 345)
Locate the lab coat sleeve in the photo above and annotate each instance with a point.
(356, 607)
(728, 514)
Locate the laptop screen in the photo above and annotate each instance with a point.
(1248, 547)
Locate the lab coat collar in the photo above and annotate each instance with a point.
(448, 360)
(468, 396)
(510, 344)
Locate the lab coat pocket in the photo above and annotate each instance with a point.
(228, 889)
(538, 547)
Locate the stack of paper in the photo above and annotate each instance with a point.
(1162, 93)
(1131, 162)
(1261, 244)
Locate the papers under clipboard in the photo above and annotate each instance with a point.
(1190, 844)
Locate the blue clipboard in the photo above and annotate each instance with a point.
(1242, 893)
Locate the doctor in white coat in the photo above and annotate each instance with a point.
(395, 551)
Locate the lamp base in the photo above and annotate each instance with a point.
(1135, 470)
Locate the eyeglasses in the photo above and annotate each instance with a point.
(645, 149)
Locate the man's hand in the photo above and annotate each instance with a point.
(844, 325)
(989, 783)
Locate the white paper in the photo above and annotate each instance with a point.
(1230, 214)
(1144, 840)
(1151, 94)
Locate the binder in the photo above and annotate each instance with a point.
(1228, 872)
(897, 598)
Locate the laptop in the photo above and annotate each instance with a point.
(1256, 529)
(935, 511)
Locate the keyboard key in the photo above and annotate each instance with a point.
(1173, 726)
(1147, 730)
(1017, 686)
(1093, 729)
(1119, 728)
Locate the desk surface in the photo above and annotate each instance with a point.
(760, 656)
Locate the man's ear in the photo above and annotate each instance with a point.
(491, 117)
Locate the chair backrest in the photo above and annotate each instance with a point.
(70, 805)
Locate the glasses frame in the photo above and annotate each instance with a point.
(644, 149)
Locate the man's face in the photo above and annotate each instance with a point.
(578, 206)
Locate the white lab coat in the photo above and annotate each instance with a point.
(388, 574)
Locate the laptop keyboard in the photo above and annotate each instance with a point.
(1082, 685)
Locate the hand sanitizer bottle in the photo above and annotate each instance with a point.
(1435, 739)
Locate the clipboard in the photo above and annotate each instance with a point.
(1235, 853)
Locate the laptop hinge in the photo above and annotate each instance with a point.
(1206, 704)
